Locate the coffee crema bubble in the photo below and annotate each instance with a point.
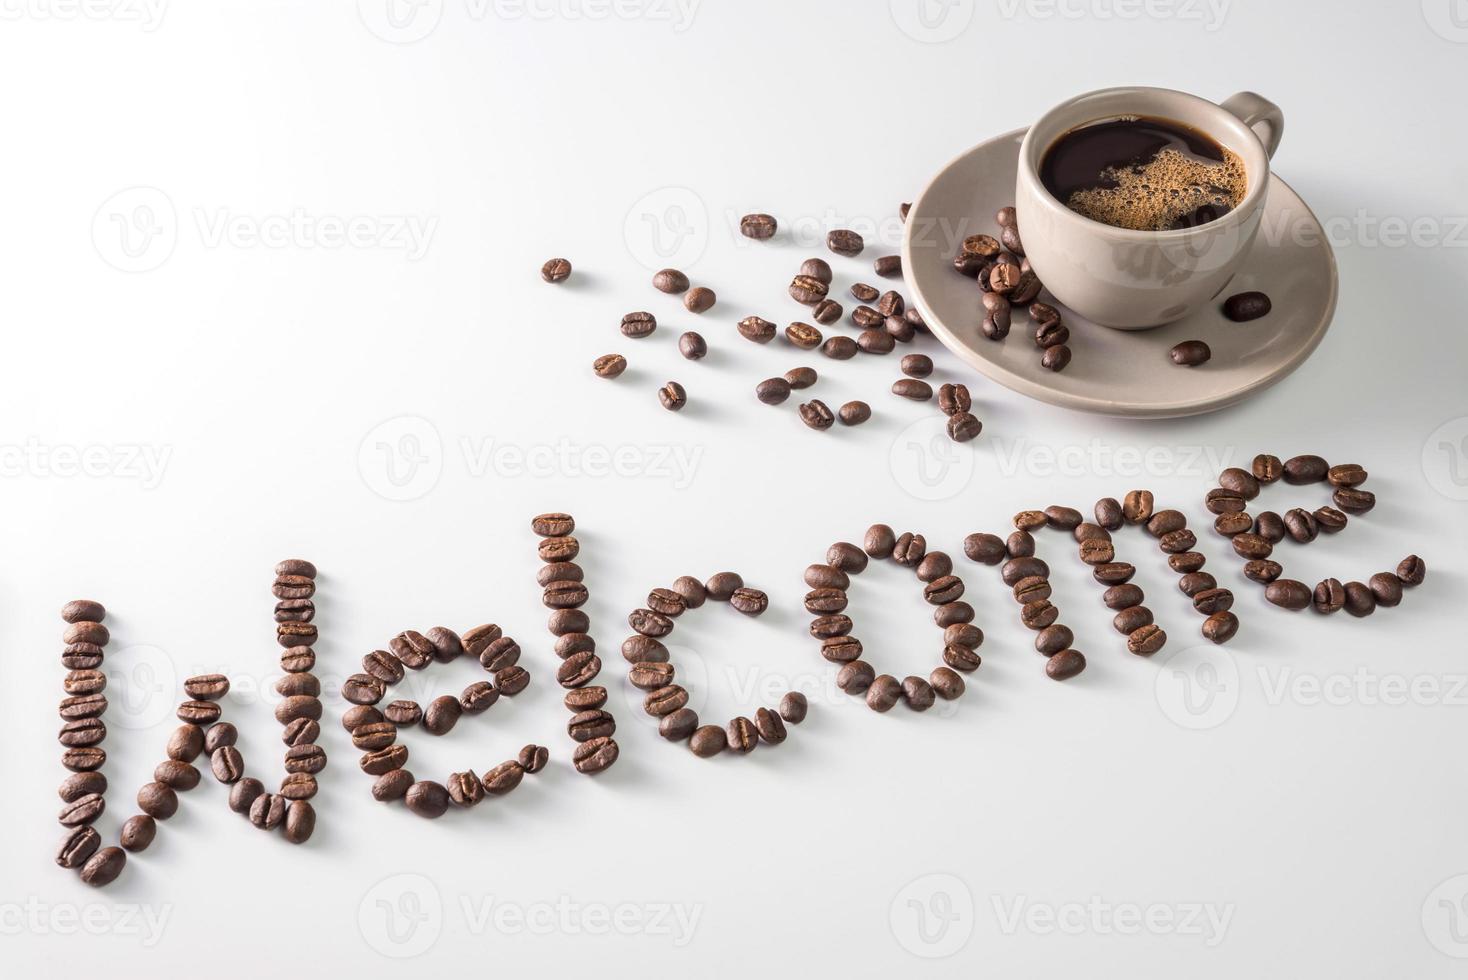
(1144, 174)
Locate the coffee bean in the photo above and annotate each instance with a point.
(650, 675)
(757, 329)
(1222, 500)
(1052, 334)
(1240, 481)
(301, 731)
(1186, 561)
(883, 693)
(672, 396)
(840, 649)
(639, 324)
(827, 312)
(917, 365)
(987, 549)
(1412, 571)
(1195, 582)
(758, 226)
(846, 557)
(297, 659)
(178, 775)
(1386, 588)
(1251, 546)
(1137, 507)
(816, 415)
(1234, 523)
(1146, 640)
(1190, 353)
(1270, 526)
(1246, 306)
(1018, 568)
(383, 666)
(1064, 665)
(1329, 596)
(157, 800)
(82, 811)
(1039, 614)
(1300, 470)
(1004, 276)
(1031, 589)
(803, 335)
(840, 348)
(1359, 599)
(414, 649)
(427, 799)
(84, 631)
(578, 669)
(769, 726)
(1130, 619)
(595, 755)
(649, 622)
(360, 714)
(1121, 596)
(912, 388)
(699, 299)
(948, 588)
(297, 685)
(298, 786)
(1262, 571)
(1300, 524)
(555, 270)
(807, 289)
(244, 793)
(665, 700)
(1353, 501)
(186, 742)
(82, 733)
(84, 682)
(83, 611)
(1266, 468)
(561, 595)
(843, 241)
(899, 329)
(1097, 551)
(1288, 593)
(392, 785)
(300, 821)
(670, 281)
(964, 427)
(984, 246)
(855, 677)
(1211, 601)
(1086, 531)
(951, 613)
(854, 412)
(1176, 542)
(77, 846)
(591, 724)
(825, 600)
(750, 602)
(639, 649)
(995, 325)
(442, 714)
(379, 761)
(954, 398)
(1329, 520)
(909, 549)
(960, 657)
(103, 867)
(227, 764)
(363, 689)
(708, 740)
(374, 735)
(888, 266)
(82, 707)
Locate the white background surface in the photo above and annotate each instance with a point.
(1325, 827)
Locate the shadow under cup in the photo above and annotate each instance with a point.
(1120, 277)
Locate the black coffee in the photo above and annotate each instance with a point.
(1143, 173)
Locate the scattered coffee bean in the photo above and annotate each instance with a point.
(692, 346)
(699, 299)
(757, 329)
(816, 415)
(913, 389)
(638, 325)
(673, 396)
(595, 755)
(826, 312)
(556, 270)
(888, 266)
(1299, 470)
(1288, 593)
(793, 707)
(670, 281)
(707, 741)
(843, 241)
(803, 335)
(1246, 306)
(854, 413)
(772, 391)
(1190, 353)
(1064, 665)
(758, 226)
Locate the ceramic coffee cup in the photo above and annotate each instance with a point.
(1130, 279)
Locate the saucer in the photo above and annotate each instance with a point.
(1123, 373)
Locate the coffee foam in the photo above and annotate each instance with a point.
(1153, 196)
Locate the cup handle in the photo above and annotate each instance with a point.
(1262, 116)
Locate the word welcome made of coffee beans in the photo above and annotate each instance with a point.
(376, 722)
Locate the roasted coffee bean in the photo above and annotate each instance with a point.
(1113, 572)
(1246, 306)
(913, 389)
(497, 781)
(1038, 614)
(1300, 524)
(953, 613)
(1190, 353)
(1386, 588)
(817, 268)
(579, 669)
(1266, 468)
(1288, 593)
(1055, 358)
(298, 786)
(293, 587)
(917, 365)
(296, 685)
(803, 335)
(816, 415)
(855, 677)
(1220, 627)
(392, 785)
(1086, 531)
(1305, 469)
(825, 600)
(827, 312)
(82, 733)
(594, 756)
(1052, 333)
(935, 565)
(79, 784)
(532, 758)
(649, 676)
(1164, 522)
(984, 246)
(1097, 551)
(987, 549)
(83, 682)
(82, 706)
(868, 318)
(888, 266)
(649, 622)
(297, 660)
(1222, 500)
(244, 793)
(198, 712)
(1270, 526)
(138, 832)
(565, 621)
(1062, 518)
(77, 846)
(427, 799)
(1064, 665)
(227, 764)
(1240, 481)
(1177, 542)
(1346, 475)
(1353, 501)
(793, 707)
(1329, 596)
(758, 226)
(157, 800)
(295, 611)
(85, 631)
(360, 714)
(665, 700)
(565, 595)
(478, 697)
(948, 588)
(1186, 561)
(83, 611)
(1262, 571)
(708, 740)
(1146, 640)
(591, 724)
(699, 299)
(1031, 589)
(1004, 275)
(1121, 596)
(1194, 582)
(363, 689)
(1130, 619)
(639, 648)
(82, 811)
(750, 602)
(807, 289)
(1230, 524)
(103, 867)
(840, 348)
(556, 270)
(413, 648)
(1412, 571)
(178, 775)
(825, 627)
(666, 602)
(964, 427)
(1329, 520)
(379, 761)
(1018, 568)
(383, 666)
(690, 590)
(300, 821)
(1053, 639)
(609, 366)
(672, 396)
(207, 687)
(670, 281)
(552, 525)
(1360, 601)
(375, 735)
(884, 693)
(742, 736)
(1211, 601)
(769, 726)
(757, 329)
(1136, 508)
(442, 714)
(960, 657)
(854, 412)
(841, 649)
(1251, 546)
(909, 549)
(585, 698)
(944, 682)
(772, 391)
(954, 398)
(639, 324)
(300, 732)
(843, 241)
(995, 325)
(846, 557)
